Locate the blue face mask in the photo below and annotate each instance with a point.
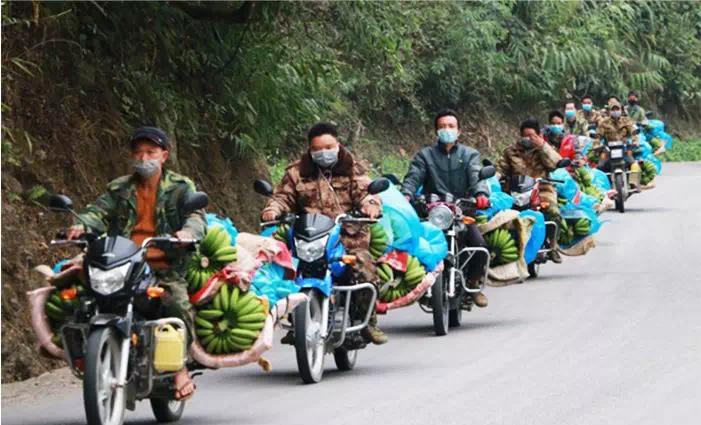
(570, 113)
(447, 135)
(587, 107)
(555, 129)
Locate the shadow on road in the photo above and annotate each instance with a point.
(426, 330)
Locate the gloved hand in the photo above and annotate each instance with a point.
(482, 202)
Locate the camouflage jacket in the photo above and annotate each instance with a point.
(635, 113)
(583, 121)
(611, 129)
(519, 161)
(114, 211)
(305, 188)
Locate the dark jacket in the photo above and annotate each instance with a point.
(439, 172)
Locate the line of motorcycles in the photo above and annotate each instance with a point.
(109, 341)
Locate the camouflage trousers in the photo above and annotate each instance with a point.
(177, 302)
(356, 240)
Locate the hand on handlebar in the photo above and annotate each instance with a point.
(268, 216)
(481, 202)
(371, 209)
(74, 232)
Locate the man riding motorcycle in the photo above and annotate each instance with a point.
(532, 156)
(633, 109)
(451, 167)
(328, 180)
(615, 127)
(586, 117)
(146, 204)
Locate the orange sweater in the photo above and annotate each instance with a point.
(145, 226)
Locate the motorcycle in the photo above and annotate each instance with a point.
(326, 322)
(619, 173)
(110, 341)
(450, 294)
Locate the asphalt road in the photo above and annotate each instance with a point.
(610, 338)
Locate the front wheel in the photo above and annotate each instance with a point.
(440, 306)
(104, 401)
(167, 410)
(309, 341)
(345, 359)
(455, 317)
(620, 199)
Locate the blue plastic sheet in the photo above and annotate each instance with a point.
(214, 220)
(432, 246)
(494, 185)
(499, 201)
(600, 179)
(399, 217)
(571, 211)
(535, 242)
(656, 128)
(57, 267)
(569, 188)
(269, 281)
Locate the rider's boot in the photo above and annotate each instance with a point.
(373, 333)
(478, 298)
(554, 256)
(289, 338)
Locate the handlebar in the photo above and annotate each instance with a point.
(147, 242)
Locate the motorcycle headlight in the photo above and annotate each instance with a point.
(441, 217)
(106, 282)
(310, 251)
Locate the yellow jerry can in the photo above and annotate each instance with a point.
(169, 354)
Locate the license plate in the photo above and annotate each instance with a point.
(616, 154)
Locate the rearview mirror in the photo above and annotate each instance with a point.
(262, 187)
(195, 201)
(486, 172)
(486, 162)
(60, 203)
(649, 114)
(564, 163)
(378, 185)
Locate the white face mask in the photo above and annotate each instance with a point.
(615, 114)
(325, 158)
(146, 167)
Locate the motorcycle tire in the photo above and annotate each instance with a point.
(310, 359)
(345, 359)
(620, 201)
(102, 360)
(455, 317)
(167, 410)
(440, 306)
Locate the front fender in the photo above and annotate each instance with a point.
(323, 285)
(122, 324)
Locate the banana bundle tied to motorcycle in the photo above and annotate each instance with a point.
(396, 284)
(583, 177)
(60, 307)
(648, 172)
(502, 245)
(215, 251)
(232, 322)
(572, 229)
(378, 240)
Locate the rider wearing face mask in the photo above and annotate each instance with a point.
(147, 203)
(532, 156)
(556, 129)
(586, 117)
(328, 180)
(451, 167)
(615, 127)
(633, 109)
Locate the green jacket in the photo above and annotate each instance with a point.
(114, 212)
(636, 113)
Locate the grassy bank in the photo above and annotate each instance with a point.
(684, 150)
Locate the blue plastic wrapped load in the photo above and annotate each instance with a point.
(499, 201)
(494, 185)
(569, 188)
(399, 217)
(600, 179)
(269, 281)
(57, 267)
(215, 220)
(656, 128)
(535, 242)
(570, 211)
(432, 246)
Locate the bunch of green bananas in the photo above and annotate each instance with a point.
(405, 282)
(481, 219)
(656, 143)
(378, 240)
(282, 233)
(59, 310)
(648, 172)
(231, 322)
(215, 252)
(566, 233)
(582, 227)
(583, 177)
(502, 247)
(561, 200)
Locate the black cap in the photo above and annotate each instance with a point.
(633, 93)
(154, 134)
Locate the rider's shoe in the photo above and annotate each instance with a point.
(289, 338)
(374, 334)
(554, 256)
(480, 299)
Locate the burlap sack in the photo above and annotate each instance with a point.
(517, 271)
(580, 248)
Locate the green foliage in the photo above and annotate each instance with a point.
(254, 85)
(684, 150)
